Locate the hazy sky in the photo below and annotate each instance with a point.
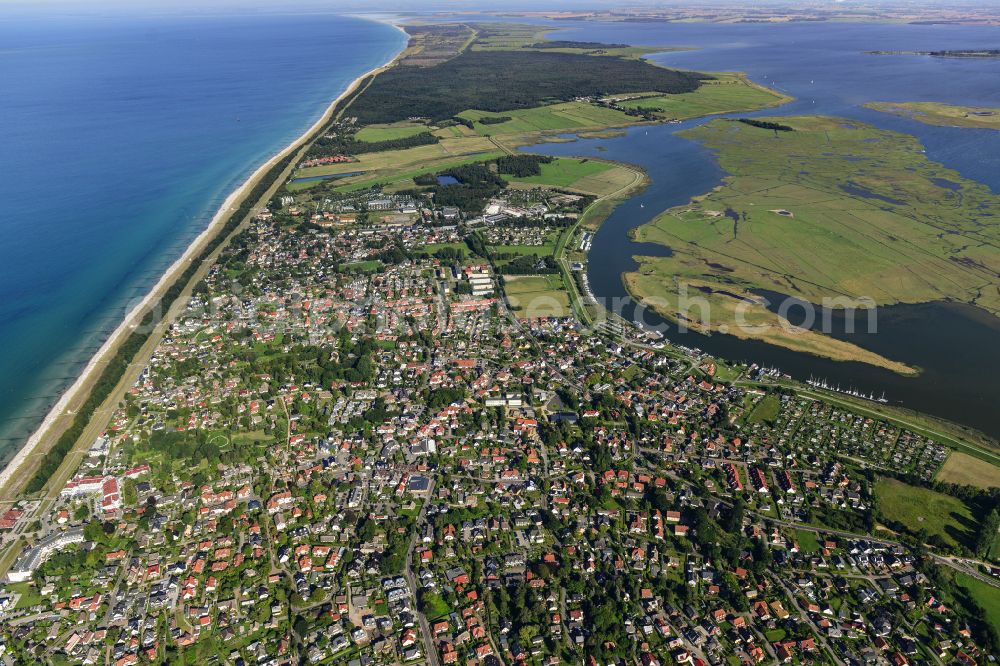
(284, 6)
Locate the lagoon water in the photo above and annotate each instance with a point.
(824, 66)
(122, 135)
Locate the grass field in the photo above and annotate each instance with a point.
(29, 595)
(408, 157)
(726, 93)
(461, 145)
(808, 543)
(565, 171)
(537, 296)
(935, 113)
(395, 166)
(986, 596)
(389, 132)
(508, 36)
(961, 468)
(521, 36)
(832, 210)
(766, 410)
(581, 174)
(565, 116)
(923, 509)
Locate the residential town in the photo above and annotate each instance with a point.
(360, 444)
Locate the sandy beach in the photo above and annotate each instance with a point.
(60, 415)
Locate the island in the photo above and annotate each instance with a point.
(947, 115)
(956, 53)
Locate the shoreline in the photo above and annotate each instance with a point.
(80, 388)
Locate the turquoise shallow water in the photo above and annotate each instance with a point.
(121, 136)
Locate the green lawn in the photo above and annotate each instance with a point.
(434, 247)
(363, 266)
(765, 411)
(774, 635)
(808, 543)
(387, 177)
(29, 595)
(921, 509)
(434, 606)
(986, 596)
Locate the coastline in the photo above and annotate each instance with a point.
(80, 388)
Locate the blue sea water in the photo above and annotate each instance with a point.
(122, 134)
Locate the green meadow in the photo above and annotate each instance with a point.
(725, 93)
(553, 117)
(947, 115)
(920, 509)
(537, 295)
(833, 209)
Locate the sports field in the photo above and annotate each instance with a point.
(963, 469)
(537, 296)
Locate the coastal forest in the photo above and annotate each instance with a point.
(499, 81)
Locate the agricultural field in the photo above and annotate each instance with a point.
(834, 209)
(537, 296)
(566, 116)
(519, 36)
(392, 166)
(935, 113)
(507, 36)
(725, 93)
(389, 132)
(922, 509)
(963, 469)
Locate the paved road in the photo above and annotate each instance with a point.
(411, 581)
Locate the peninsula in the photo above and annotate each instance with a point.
(946, 115)
(381, 422)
